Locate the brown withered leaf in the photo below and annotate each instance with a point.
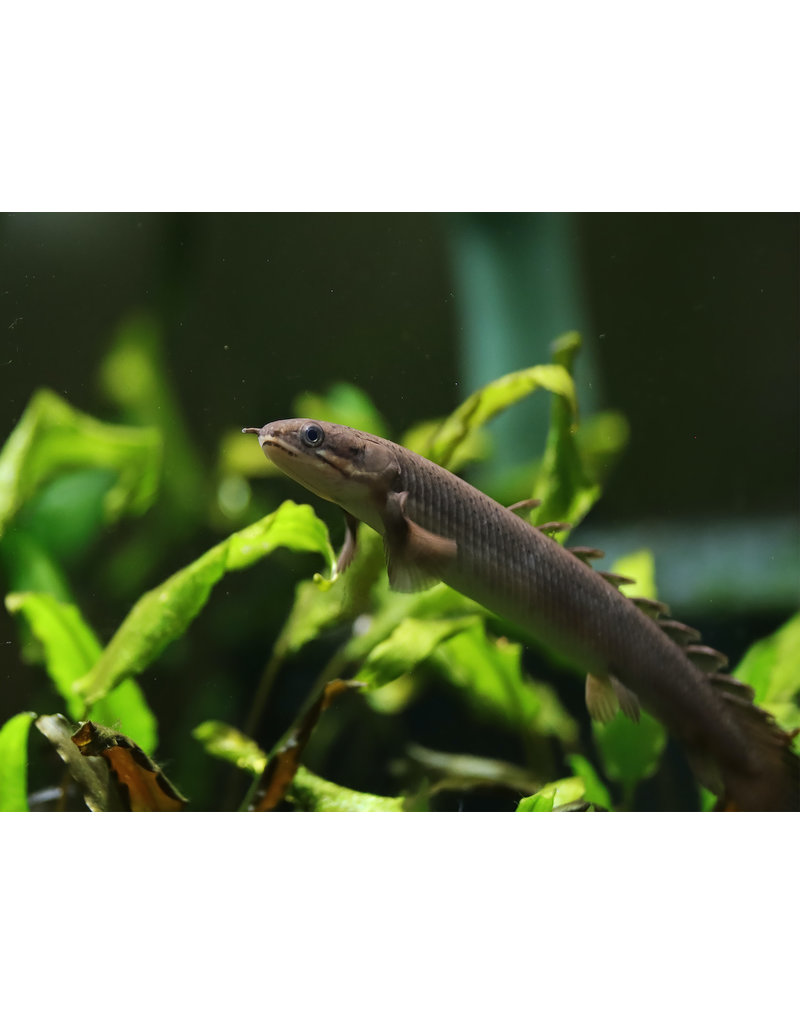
(140, 783)
(92, 775)
(283, 764)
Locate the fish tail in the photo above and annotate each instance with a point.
(772, 783)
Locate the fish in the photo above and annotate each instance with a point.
(438, 527)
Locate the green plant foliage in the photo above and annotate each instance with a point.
(165, 612)
(772, 668)
(412, 642)
(311, 793)
(28, 566)
(71, 650)
(134, 375)
(453, 436)
(14, 762)
(594, 789)
(51, 437)
(343, 403)
(308, 792)
(630, 751)
(489, 672)
(229, 744)
(554, 795)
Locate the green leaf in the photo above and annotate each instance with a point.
(391, 608)
(29, 566)
(457, 430)
(639, 566)
(489, 672)
(596, 792)
(229, 744)
(563, 484)
(475, 446)
(71, 650)
(410, 643)
(772, 667)
(630, 752)
(14, 762)
(165, 612)
(70, 647)
(126, 710)
(554, 795)
(309, 792)
(135, 376)
(602, 438)
(342, 403)
(52, 437)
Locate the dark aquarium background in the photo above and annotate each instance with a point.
(200, 324)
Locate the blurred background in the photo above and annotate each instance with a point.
(691, 328)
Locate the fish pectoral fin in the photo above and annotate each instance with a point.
(601, 699)
(628, 701)
(350, 545)
(415, 558)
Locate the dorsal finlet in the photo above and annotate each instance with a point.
(650, 607)
(705, 658)
(679, 632)
(587, 555)
(554, 527)
(615, 579)
(730, 686)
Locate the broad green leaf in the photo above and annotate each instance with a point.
(563, 485)
(29, 566)
(640, 567)
(229, 744)
(490, 400)
(126, 710)
(394, 696)
(309, 792)
(772, 667)
(67, 513)
(14, 762)
(390, 609)
(71, 650)
(342, 403)
(70, 647)
(135, 376)
(554, 795)
(630, 752)
(314, 610)
(475, 447)
(489, 672)
(292, 526)
(321, 604)
(51, 437)
(239, 458)
(602, 438)
(596, 792)
(410, 643)
(165, 612)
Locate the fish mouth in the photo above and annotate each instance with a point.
(268, 436)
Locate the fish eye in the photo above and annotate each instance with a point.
(312, 434)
